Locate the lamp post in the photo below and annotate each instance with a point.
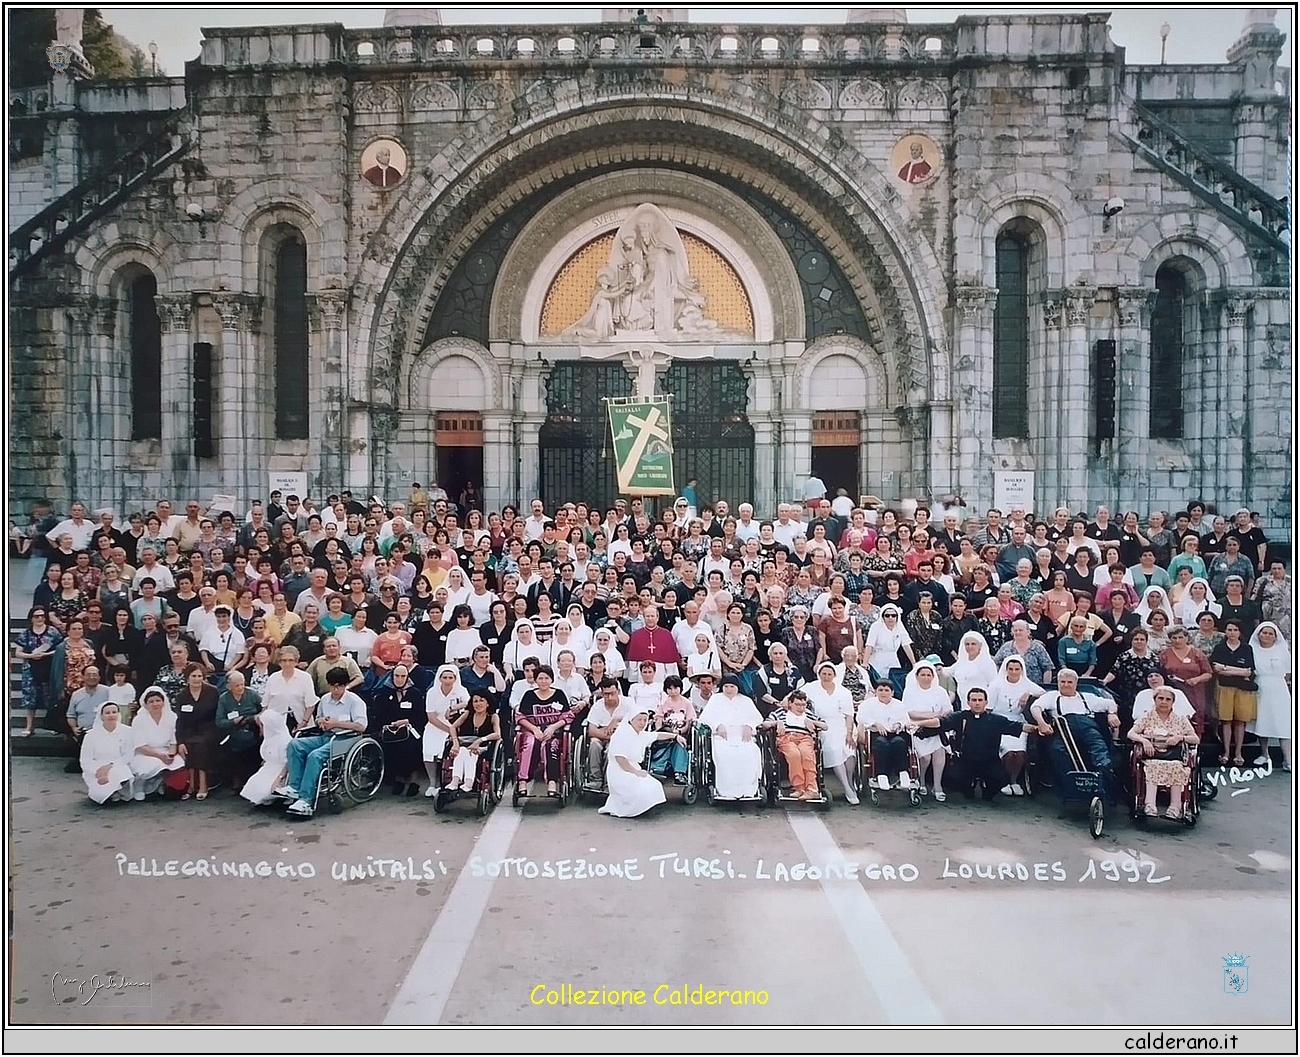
(1164, 39)
(153, 56)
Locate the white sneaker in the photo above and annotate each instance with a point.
(1017, 789)
(1260, 761)
(288, 792)
(904, 780)
(1008, 790)
(882, 782)
(300, 807)
(431, 792)
(852, 798)
(940, 796)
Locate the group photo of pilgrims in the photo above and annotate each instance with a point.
(830, 650)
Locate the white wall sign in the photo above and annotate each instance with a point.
(1013, 488)
(288, 483)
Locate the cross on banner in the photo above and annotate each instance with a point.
(643, 447)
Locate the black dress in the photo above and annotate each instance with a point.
(196, 727)
(403, 753)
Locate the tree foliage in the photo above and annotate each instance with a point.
(32, 30)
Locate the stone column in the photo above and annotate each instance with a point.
(1050, 491)
(531, 414)
(1075, 396)
(174, 314)
(972, 387)
(1132, 398)
(110, 404)
(498, 459)
(1232, 420)
(234, 400)
(328, 310)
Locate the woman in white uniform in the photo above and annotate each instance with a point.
(924, 698)
(633, 790)
(973, 667)
(737, 761)
(1195, 600)
(833, 705)
(259, 789)
(445, 698)
(106, 753)
(615, 666)
(1154, 598)
(1273, 674)
(1009, 693)
(522, 645)
(153, 736)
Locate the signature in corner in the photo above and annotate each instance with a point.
(61, 986)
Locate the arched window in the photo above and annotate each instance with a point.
(144, 336)
(290, 335)
(1171, 324)
(1011, 337)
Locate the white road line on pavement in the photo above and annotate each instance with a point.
(424, 993)
(901, 993)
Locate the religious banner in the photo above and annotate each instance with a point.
(643, 445)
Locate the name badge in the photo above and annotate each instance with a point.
(187, 708)
(406, 704)
(232, 715)
(492, 642)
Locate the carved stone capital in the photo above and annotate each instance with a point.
(1235, 309)
(327, 308)
(1078, 303)
(1052, 313)
(103, 312)
(975, 304)
(174, 311)
(1131, 302)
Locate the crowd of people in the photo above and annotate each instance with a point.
(182, 650)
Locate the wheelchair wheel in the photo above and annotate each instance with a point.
(363, 771)
(875, 797)
(484, 803)
(439, 802)
(914, 795)
(1096, 817)
(689, 793)
(497, 775)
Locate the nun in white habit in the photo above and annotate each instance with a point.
(106, 753)
(973, 667)
(1009, 693)
(445, 698)
(1273, 673)
(924, 698)
(153, 737)
(632, 789)
(1156, 595)
(259, 789)
(737, 761)
(833, 705)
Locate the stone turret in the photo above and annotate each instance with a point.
(412, 16)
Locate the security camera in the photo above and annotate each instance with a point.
(1114, 206)
(195, 211)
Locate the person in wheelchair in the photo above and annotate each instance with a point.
(1160, 735)
(886, 734)
(675, 714)
(339, 713)
(473, 733)
(733, 722)
(796, 739)
(1009, 696)
(544, 715)
(606, 713)
(1072, 708)
(978, 733)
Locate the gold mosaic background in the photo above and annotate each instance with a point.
(570, 294)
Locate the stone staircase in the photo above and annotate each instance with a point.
(1214, 181)
(94, 197)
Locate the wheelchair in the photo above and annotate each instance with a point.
(867, 773)
(564, 784)
(1075, 783)
(354, 771)
(779, 789)
(1191, 799)
(584, 783)
(489, 779)
(705, 776)
(690, 791)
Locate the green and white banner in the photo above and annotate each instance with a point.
(643, 445)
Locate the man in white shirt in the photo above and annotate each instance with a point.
(159, 574)
(746, 527)
(480, 598)
(221, 646)
(842, 506)
(290, 690)
(535, 523)
(167, 520)
(1072, 708)
(788, 525)
(715, 560)
(75, 526)
(204, 618)
(607, 711)
(685, 630)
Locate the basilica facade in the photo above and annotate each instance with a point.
(917, 260)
